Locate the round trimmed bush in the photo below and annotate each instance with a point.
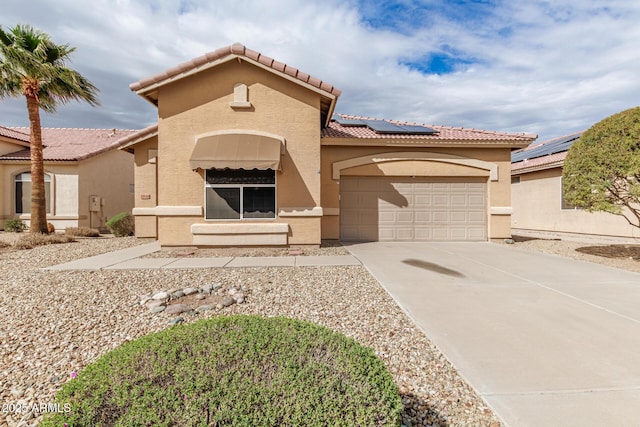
(233, 370)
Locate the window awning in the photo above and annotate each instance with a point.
(237, 150)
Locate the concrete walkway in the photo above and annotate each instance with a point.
(129, 259)
(545, 340)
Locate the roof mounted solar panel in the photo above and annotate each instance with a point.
(418, 130)
(347, 122)
(383, 126)
(552, 147)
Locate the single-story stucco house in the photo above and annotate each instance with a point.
(87, 179)
(539, 208)
(249, 151)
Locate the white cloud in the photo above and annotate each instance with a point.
(542, 67)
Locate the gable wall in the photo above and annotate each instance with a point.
(200, 104)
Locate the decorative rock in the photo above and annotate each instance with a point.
(216, 287)
(200, 297)
(160, 296)
(177, 294)
(227, 301)
(509, 241)
(158, 309)
(207, 288)
(240, 300)
(189, 291)
(204, 308)
(177, 308)
(238, 296)
(154, 303)
(232, 291)
(177, 320)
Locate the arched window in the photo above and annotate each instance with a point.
(23, 192)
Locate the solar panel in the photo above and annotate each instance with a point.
(418, 130)
(348, 122)
(552, 147)
(385, 127)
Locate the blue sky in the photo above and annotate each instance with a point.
(543, 67)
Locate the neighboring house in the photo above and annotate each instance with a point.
(248, 151)
(539, 208)
(87, 179)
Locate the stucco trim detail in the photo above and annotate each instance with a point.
(169, 211)
(240, 234)
(410, 155)
(308, 212)
(501, 210)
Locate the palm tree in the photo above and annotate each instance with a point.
(31, 65)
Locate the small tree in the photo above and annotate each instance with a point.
(602, 169)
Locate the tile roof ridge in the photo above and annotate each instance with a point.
(237, 49)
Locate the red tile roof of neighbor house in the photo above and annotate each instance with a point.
(72, 144)
(14, 134)
(552, 160)
(444, 133)
(229, 52)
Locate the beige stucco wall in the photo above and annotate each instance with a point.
(7, 147)
(498, 191)
(200, 104)
(146, 194)
(537, 204)
(110, 177)
(64, 193)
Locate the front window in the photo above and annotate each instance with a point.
(23, 192)
(240, 194)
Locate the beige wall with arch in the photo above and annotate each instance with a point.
(498, 191)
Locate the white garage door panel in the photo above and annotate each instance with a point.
(387, 209)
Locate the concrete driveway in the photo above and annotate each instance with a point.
(546, 341)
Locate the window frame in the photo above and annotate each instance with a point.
(50, 181)
(241, 187)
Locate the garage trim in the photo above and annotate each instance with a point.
(411, 155)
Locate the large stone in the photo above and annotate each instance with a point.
(189, 291)
(227, 301)
(177, 294)
(160, 296)
(177, 309)
(154, 303)
(158, 309)
(204, 308)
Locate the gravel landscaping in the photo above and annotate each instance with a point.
(55, 323)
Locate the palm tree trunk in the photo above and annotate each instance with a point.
(38, 197)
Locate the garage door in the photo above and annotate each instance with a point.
(405, 209)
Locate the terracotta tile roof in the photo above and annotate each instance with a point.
(138, 136)
(444, 133)
(71, 144)
(14, 134)
(235, 50)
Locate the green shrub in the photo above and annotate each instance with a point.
(233, 370)
(15, 225)
(30, 241)
(121, 224)
(81, 232)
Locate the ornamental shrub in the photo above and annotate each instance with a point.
(121, 225)
(15, 225)
(233, 370)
